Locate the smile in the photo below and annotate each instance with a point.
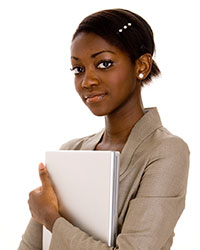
(94, 98)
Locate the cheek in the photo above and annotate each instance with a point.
(123, 80)
(77, 86)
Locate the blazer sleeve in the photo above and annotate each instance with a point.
(32, 238)
(160, 200)
(151, 215)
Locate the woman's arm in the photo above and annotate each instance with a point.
(32, 238)
(152, 214)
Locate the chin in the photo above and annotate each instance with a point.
(99, 112)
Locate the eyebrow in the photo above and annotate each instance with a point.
(95, 54)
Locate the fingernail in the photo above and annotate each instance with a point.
(41, 166)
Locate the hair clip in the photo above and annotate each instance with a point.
(125, 27)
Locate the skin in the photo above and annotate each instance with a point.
(43, 203)
(122, 105)
(109, 84)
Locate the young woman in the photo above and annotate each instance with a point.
(111, 55)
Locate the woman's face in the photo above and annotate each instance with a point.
(104, 75)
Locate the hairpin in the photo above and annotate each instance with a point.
(125, 27)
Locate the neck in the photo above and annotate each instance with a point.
(119, 124)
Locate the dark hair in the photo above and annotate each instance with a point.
(136, 40)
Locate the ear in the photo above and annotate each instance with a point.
(143, 66)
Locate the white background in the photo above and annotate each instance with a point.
(40, 110)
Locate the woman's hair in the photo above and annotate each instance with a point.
(125, 30)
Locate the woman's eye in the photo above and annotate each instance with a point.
(105, 64)
(77, 70)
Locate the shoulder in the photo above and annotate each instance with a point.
(166, 154)
(167, 164)
(163, 151)
(82, 143)
(164, 142)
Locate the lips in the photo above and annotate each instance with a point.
(94, 97)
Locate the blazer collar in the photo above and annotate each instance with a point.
(148, 123)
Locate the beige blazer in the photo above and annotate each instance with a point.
(153, 179)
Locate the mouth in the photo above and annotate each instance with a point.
(94, 98)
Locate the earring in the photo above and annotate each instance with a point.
(141, 75)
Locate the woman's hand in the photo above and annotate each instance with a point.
(43, 202)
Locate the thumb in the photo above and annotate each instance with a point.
(44, 177)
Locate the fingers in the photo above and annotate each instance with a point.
(37, 191)
(44, 177)
(43, 203)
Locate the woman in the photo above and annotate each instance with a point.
(111, 55)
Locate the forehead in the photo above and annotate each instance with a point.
(90, 43)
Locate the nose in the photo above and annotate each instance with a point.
(89, 80)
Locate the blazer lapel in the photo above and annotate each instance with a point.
(149, 122)
(92, 141)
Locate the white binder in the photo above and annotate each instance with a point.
(86, 184)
